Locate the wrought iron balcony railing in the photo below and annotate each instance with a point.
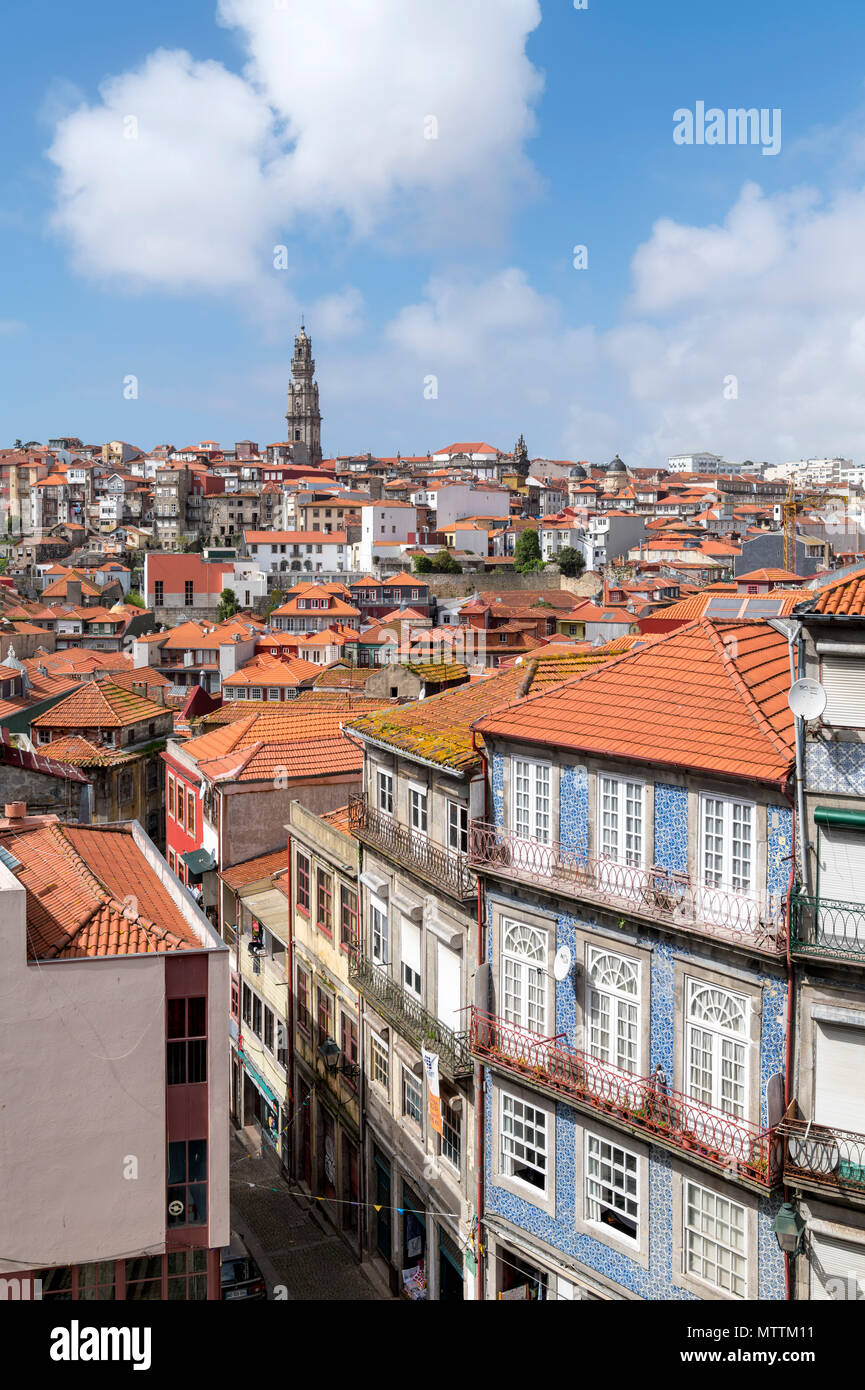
(445, 868)
(654, 892)
(825, 927)
(409, 1017)
(824, 1156)
(644, 1104)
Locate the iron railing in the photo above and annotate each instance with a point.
(445, 868)
(655, 892)
(409, 1017)
(826, 927)
(823, 1155)
(646, 1104)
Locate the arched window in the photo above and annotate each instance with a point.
(614, 1009)
(716, 1043)
(524, 960)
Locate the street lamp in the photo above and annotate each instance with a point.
(329, 1052)
(789, 1229)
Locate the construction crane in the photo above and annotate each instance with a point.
(789, 511)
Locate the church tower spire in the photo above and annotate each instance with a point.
(303, 415)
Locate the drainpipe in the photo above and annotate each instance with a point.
(799, 727)
(479, 1087)
(788, 1053)
(290, 1013)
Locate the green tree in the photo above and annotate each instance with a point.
(527, 553)
(228, 605)
(274, 601)
(135, 598)
(422, 564)
(444, 563)
(571, 561)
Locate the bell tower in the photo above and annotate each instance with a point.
(303, 416)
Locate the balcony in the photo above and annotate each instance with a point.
(822, 1156)
(824, 927)
(409, 1017)
(654, 893)
(643, 1105)
(443, 868)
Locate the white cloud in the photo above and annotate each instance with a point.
(339, 315)
(775, 298)
(162, 183)
(327, 121)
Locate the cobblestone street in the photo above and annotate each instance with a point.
(293, 1244)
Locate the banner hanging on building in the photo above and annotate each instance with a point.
(431, 1067)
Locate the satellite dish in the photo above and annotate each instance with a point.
(562, 962)
(807, 699)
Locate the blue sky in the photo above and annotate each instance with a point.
(448, 259)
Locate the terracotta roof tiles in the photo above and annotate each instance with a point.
(709, 697)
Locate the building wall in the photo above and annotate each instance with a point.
(85, 1096)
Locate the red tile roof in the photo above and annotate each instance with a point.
(845, 598)
(99, 704)
(91, 892)
(710, 697)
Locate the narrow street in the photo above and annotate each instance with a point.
(297, 1251)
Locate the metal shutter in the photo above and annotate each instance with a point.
(843, 679)
(837, 1268)
(839, 1098)
(410, 945)
(842, 864)
(448, 993)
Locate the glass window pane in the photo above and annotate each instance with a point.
(198, 1160)
(177, 1018)
(197, 1017)
(177, 1161)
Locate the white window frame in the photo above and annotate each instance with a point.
(531, 791)
(451, 1120)
(379, 1061)
(415, 1084)
(458, 827)
(514, 1112)
(418, 808)
(524, 976)
(411, 978)
(700, 1249)
(617, 1174)
(379, 931)
(615, 841)
(615, 1010)
(726, 876)
(722, 1047)
(384, 791)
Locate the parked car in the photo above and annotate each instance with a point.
(241, 1276)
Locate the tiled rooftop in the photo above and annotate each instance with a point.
(91, 892)
(845, 597)
(99, 704)
(711, 697)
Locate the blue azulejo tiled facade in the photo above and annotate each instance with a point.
(560, 1234)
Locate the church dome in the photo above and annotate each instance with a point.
(616, 466)
(577, 472)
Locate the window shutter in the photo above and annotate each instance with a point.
(839, 1099)
(842, 679)
(411, 945)
(842, 864)
(449, 1000)
(836, 1266)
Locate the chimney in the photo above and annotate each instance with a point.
(16, 810)
(73, 592)
(159, 695)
